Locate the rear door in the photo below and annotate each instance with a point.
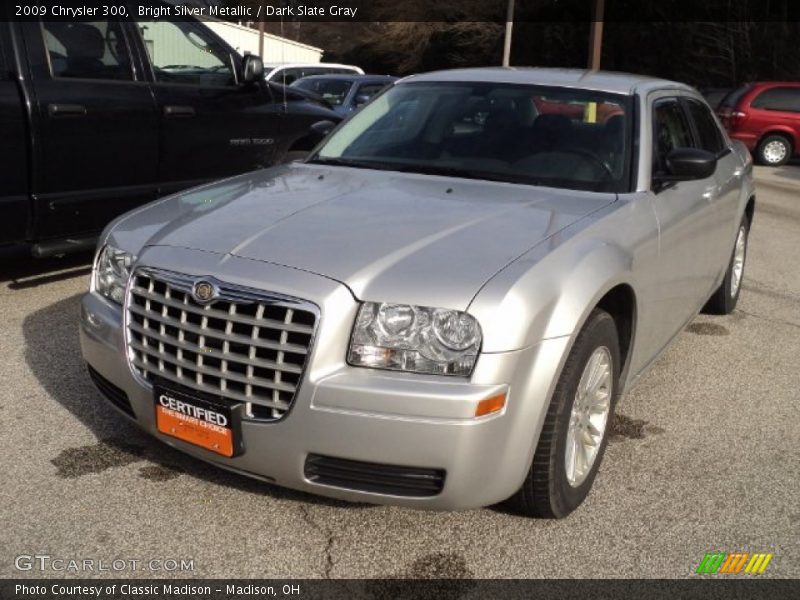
(95, 123)
(13, 147)
(211, 126)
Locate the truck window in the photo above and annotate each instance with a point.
(89, 50)
(183, 53)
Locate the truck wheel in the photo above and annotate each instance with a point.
(774, 151)
(575, 431)
(724, 299)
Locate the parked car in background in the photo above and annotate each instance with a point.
(345, 93)
(765, 116)
(99, 117)
(441, 306)
(288, 73)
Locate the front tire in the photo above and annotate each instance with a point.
(723, 300)
(575, 432)
(774, 151)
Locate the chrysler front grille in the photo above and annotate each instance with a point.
(244, 346)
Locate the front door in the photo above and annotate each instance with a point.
(688, 219)
(211, 125)
(95, 123)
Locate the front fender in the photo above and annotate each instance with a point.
(548, 293)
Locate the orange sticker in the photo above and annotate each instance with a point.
(195, 431)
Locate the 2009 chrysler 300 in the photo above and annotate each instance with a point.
(440, 307)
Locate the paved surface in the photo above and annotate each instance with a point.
(707, 458)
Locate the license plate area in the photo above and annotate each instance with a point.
(198, 420)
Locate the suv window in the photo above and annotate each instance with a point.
(778, 98)
(710, 137)
(182, 53)
(670, 130)
(88, 50)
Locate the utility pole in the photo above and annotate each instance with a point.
(261, 32)
(509, 28)
(596, 36)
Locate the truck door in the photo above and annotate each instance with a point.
(13, 148)
(211, 126)
(95, 123)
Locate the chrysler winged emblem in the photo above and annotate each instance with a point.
(204, 292)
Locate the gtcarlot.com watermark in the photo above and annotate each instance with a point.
(46, 562)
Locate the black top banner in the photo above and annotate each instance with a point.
(732, 588)
(410, 10)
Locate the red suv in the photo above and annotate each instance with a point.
(766, 117)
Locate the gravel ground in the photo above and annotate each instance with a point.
(705, 458)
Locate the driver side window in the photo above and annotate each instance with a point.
(670, 130)
(181, 53)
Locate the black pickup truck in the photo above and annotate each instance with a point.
(99, 117)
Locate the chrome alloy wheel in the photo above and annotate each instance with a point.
(775, 152)
(739, 252)
(589, 418)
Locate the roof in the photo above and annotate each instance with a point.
(601, 81)
(285, 65)
(349, 77)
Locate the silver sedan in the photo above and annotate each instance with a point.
(441, 306)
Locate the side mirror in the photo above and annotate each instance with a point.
(252, 68)
(361, 99)
(319, 130)
(684, 164)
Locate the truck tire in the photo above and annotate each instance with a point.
(577, 424)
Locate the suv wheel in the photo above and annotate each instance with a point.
(575, 431)
(774, 151)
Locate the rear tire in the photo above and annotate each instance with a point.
(774, 150)
(553, 488)
(723, 300)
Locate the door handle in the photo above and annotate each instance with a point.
(179, 111)
(66, 110)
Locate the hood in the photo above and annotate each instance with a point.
(393, 237)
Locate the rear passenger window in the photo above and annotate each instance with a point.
(778, 98)
(89, 50)
(670, 130)
(710, 137)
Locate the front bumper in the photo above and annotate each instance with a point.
(361, 414)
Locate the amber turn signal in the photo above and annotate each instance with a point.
(490, 405)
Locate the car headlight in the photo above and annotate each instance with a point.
(419, 339)
(111, 273)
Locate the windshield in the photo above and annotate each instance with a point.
(576, 139)
(333, 91)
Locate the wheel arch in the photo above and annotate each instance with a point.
(785, 132)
